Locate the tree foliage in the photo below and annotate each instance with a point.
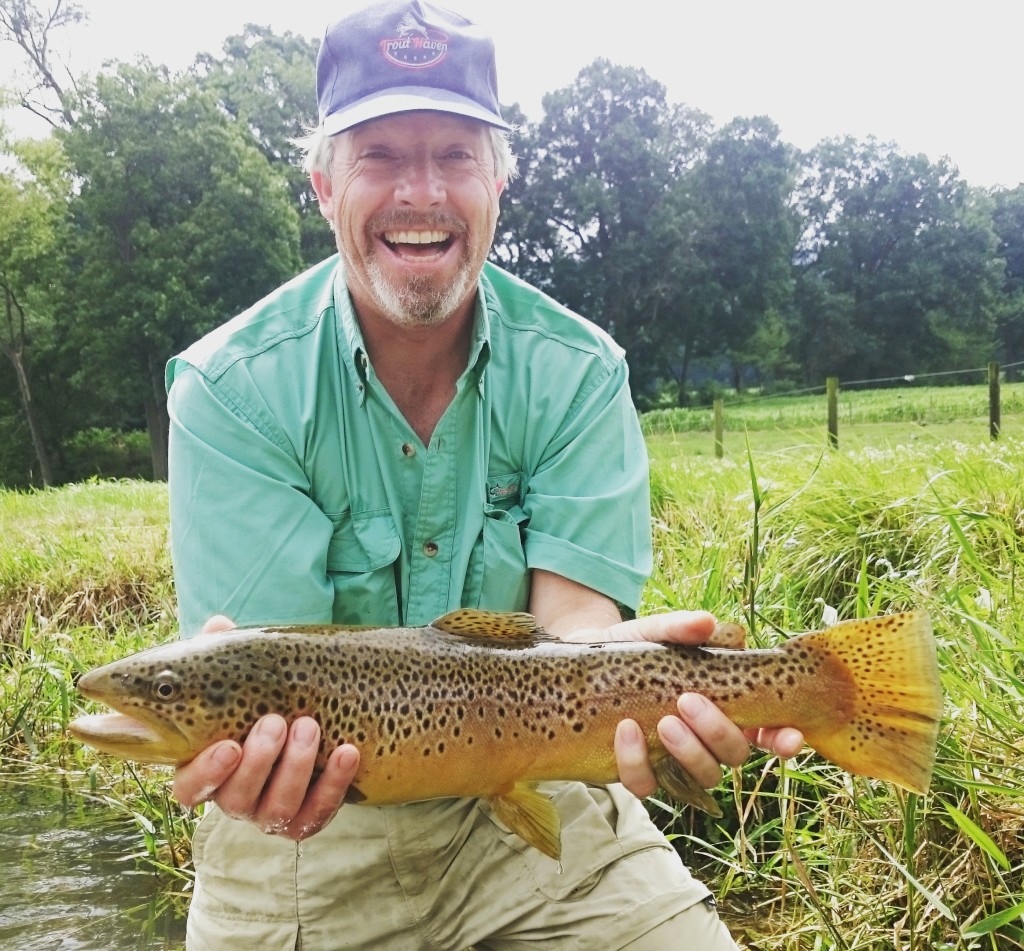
(163, 204)
(33, 240)
(180, 223)
(899, 255)
(264, 81)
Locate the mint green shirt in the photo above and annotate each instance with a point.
(299, 493)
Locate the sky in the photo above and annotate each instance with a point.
(934, 76)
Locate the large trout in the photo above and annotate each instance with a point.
(487, 705)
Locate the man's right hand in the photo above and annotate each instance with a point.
(267, 780)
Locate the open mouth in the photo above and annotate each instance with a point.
(129, 738)
(420, 244)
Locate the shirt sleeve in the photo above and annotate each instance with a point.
(246, 539)
(588, 498)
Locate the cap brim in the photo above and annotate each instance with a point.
(408, 99)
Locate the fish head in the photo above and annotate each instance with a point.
(175, 700)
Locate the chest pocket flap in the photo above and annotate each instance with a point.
(363, 543)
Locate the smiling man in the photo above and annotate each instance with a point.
(400, 431)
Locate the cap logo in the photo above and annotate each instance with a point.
(415, 46)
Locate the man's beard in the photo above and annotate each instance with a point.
(421, 300)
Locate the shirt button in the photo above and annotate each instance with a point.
(430, 549)
(408, 449)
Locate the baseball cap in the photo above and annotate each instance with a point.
(400, 56)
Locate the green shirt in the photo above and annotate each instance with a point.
(299, 493)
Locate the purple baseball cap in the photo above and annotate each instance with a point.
(400, 56)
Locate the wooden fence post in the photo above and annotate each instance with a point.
(993, 400)
(719, 416)
(832, 395)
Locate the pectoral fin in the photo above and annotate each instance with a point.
(681, 786)
(532, 816)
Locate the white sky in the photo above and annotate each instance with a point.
(933, 76)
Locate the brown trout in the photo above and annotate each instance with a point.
(487, 705)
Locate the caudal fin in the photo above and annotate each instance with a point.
(896, 701)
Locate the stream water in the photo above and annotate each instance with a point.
(69, 878)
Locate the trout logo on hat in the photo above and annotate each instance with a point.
(415, 46)
(401, 56)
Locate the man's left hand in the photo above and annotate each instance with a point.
(699, 736)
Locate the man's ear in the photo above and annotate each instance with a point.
(324, 192)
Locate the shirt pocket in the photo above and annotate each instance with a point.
(361, 564)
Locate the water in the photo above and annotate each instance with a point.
(69, 879)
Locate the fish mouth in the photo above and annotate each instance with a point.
(124, 736)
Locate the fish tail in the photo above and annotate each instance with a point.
(893, 698)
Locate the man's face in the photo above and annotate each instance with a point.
(413, 200)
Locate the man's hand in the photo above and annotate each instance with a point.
(267, 780)
(701, 737)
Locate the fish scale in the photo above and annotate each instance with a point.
(487, 705)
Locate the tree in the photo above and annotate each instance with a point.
(33, 234)
(180, 223)
(898, 252)
(588, 221)
(265, 82)
(747, 232)
(1008, 220)
(46, 92)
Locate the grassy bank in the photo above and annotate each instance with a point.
(806, 857)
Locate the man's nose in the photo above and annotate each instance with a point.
(421, 182)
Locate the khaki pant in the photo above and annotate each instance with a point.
(446, 875)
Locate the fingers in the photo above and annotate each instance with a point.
(680, 627)
(782, 741)
(633, 760)
(702, 739)
(327, 794)
(268, 780)
(197, 781)
(281, 791)
(217, 624)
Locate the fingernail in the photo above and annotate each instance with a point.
(692, 704)
(226, 755)
(345, 759)
(630, 732)
(305, 731)
(673, 731)
(271, 729)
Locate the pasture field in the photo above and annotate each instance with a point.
(783, 535)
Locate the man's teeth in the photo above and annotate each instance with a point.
(416, 237)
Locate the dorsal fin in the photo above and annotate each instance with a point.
(506, 629)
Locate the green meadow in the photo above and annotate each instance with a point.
(916, 508)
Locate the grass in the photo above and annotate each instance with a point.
(783, 537)
(806, 856)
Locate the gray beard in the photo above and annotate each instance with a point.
(420, 302)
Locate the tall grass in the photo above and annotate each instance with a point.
(806, 856)
(789, 541)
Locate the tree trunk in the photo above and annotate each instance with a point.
(157, 421)
(14, 350)
(38, 445)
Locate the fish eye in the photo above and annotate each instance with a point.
(165, 688)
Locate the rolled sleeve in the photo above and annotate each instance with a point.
(246, 539)
(588, 500)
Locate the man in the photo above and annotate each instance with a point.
(397, 432)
